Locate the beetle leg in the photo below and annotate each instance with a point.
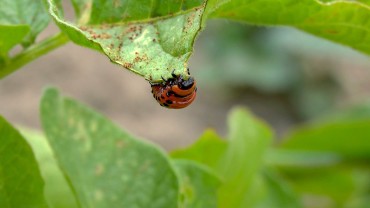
(173, 73)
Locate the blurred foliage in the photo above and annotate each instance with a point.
(20, 179)
(111, 163)
(317, 165)
(286, 62)
(149, 38)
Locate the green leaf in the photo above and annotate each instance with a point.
(359, 111)
(343, 135)
(243, 158)
(347, 138)
(238, 161)
(24, 12)
(336, 184)
(11, 35)
(212, 5)
(21, 184)
(57, 191)
(344, 22)
(198, 184)
(209, 143)
(277, 192)
(105, 166)
(150, 38)
(128, 11)
(82, 10)
(365, 2)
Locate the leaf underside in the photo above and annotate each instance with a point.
(150, 38)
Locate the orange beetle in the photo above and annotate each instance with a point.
(175, 92)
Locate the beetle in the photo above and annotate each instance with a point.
(175, 92)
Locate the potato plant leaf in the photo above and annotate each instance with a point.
(212, 5)
(346, 138)
(277, 191)
(337, 183)
(198, 184)
(210, 143)
(345, 22)
(57, 191)
(11, 35)
(248, 141)
(21, 184)
(150, 38)
(239, 162)
(106, 166)
(24, 12)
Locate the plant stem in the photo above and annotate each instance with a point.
(32, 53)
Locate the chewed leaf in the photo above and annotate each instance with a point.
(151, 42)
(147, 49)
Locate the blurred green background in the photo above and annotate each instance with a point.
(310, 75)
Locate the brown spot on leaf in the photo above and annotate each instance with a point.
(83, 28)
(127, 65)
